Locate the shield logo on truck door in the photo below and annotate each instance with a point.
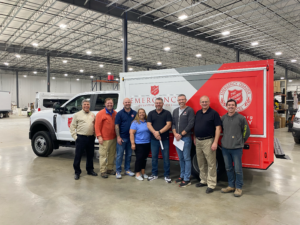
(236, 95)
(154, 90)
(69, 121)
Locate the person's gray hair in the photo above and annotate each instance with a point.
(85, 100)
(159, 99)
(182, 95)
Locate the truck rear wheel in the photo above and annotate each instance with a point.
(297, 140)
(1, 115)
(221, 171)
(42, 144)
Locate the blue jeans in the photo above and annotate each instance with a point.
(234, 173)
(155, 146)
(185, 158)
(126, 146)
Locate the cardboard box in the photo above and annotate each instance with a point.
(283, 122)
(277, 83)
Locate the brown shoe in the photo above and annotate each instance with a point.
(238, 192)
(111, 172)
(227, 190)
(104, 175)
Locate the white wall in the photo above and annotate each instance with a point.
(292, 86)
(31, 84)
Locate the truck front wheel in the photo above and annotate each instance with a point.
(42, 144)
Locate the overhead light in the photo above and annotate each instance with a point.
(282, 78)
(129, 58)
(53, 78)
(183, 17)
(81, 71)
(18, 56)
(65, 61)
(88, 52)
(254, 43)
(101, 65)
(108, 73)
(130, 69)
(225, 33)
(159, 63)
(35, 44)
(198, 55)
(25, 76)
(278, 53)
(66, 74)
(293, 60)
(6, 63)
(290, 80)
(77, 79)
(91, 76)
(122, 39)
(167, 48)
(34, 72)
(117, 78)
(63, 26)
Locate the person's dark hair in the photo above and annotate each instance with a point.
(159, 99)
(231, 100)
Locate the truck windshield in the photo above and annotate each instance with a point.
(101, 99)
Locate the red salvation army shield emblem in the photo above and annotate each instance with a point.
(154, 90)
(237, 95)
(69, 121)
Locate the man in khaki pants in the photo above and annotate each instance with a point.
(106, 135)
(207, 131)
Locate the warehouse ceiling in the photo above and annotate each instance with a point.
(80, 37)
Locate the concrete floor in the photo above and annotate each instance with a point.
(36, 190)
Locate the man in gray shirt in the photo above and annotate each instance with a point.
(235, 133)
(183, 122)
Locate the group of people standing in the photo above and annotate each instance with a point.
(128, 130)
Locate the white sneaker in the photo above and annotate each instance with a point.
(139, 178)
(145, 176)
(152, 177)
(168, 179)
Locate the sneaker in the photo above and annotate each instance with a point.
(238, 192)
(227, 190)
(168, 179)
(179, 180)
(152, 177)
(185, 183)
(111, 172)
(200, 185)
(145, 176)
(129, 173)
(118, 175)
(139, 178)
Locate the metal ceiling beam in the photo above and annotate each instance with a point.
(133, 15)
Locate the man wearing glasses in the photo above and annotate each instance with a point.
(207, 131)
(235, 132)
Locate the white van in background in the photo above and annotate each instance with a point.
(45, 100)
(5, 103)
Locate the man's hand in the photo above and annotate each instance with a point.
(214, 146)
(133, 146)
(158, 137)
(156, 134)
(100, 139)
(177, 136)
(119, 140)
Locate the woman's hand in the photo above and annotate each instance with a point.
(133, 146)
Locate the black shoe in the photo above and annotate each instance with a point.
(200, 185)
(185, 183)
(179, 180)
(104, 175)
(77, 176)
(92, 173)
(209, 190)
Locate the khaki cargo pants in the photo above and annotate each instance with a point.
(207, 162)
(107, 153)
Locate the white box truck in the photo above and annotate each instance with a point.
(5, 103)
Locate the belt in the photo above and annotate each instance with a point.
(204, 138)
(85, 135)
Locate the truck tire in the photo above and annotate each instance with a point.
(1, 115)
(221, 171)
(42, 144)
(7, 114)
(297, 140)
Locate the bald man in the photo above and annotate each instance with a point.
(122, 126)
(207, 131)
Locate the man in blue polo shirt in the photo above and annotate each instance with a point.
(122, 126)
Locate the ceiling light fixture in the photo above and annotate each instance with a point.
(129, 58)
(6, 63)
(34, 72)
(77, 79)
(35, 44)
(159, 63)
(198, 55)
(293, 60)
(88, 52)
(130, 69)
(108, 73)
(63, 26)
(53, 78)
(278, 53)
(18, 56)
(167, 48)
(81, 71)
(282, 78)
(183, 17)
(290, 80)
(25, 76)
(225, 33)
(91, 76)
(122, 39)
(101, 65)
(65, 61)
(117, 78)
(66, 74)
(254, 43)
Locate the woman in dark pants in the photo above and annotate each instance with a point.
(140, 143)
